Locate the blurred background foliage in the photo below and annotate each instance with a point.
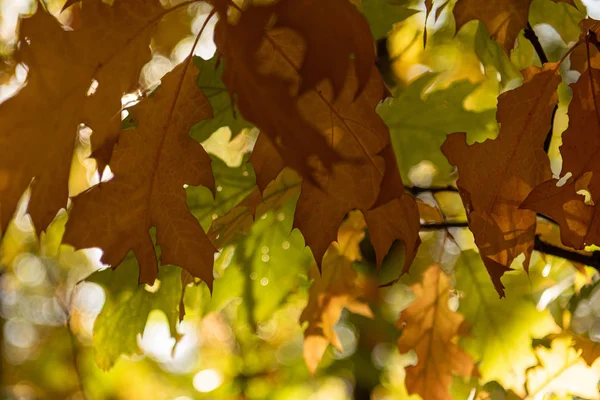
(68, 332)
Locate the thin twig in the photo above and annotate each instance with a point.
(535, 41)
(415, 190)
(444, 225)
(592, 260)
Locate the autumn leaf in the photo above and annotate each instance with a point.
(263, 267)
(417, 137)
(558, 367)
(74, 77)
(497, 175)
(503, 19)
(567, 204)
(501, 329)
(262, 72)
(352, 127)
(430, 329)
(339, 287)
(151, 163)
(127, 307)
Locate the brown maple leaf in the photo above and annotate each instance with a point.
(350, 126)
(431, 330)
(579, 222)
(497, 175)
(330, 41)
(151, 163)
(40, 123)
(339, 287)
(503, 19)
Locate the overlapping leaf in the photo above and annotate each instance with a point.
(430, 328)
(327, 49)
(497, 175)
(501, 329)
(350, 126)
(127, 307)
(503, 19)
(151, 164)
(41, 122)
(339, 287)
(579, 222)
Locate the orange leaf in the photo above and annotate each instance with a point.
(151, 163)
(40, 123)
(431, 329)
(578, 220)
(497, 175)
(339, 287)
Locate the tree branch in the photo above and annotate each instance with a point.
(535, 41)
(592, 260)
(415, 190)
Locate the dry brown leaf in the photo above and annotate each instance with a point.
(503, 19)
(497, 175)
(339, 287)
(267, 67)
(40, 123)
(430, 328)
(351, 127)
(579, 222)
(151, 163)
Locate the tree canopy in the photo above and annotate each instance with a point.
(299, 198)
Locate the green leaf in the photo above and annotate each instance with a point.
(383, 14)
(224, 111)
(232, 186)
(419, 122)
(263, 268)
(501, 329)
(128, 305)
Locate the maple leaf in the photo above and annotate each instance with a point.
(501, 329)
(503, 19)
(151, 163)
(302, 61)
(264, 267)
(558, 367)
(417, 137)
(128, 306)
(339, 287)
(578, 220)
(430, 329)
(496, 176)
(351, 127)
(108, 51)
